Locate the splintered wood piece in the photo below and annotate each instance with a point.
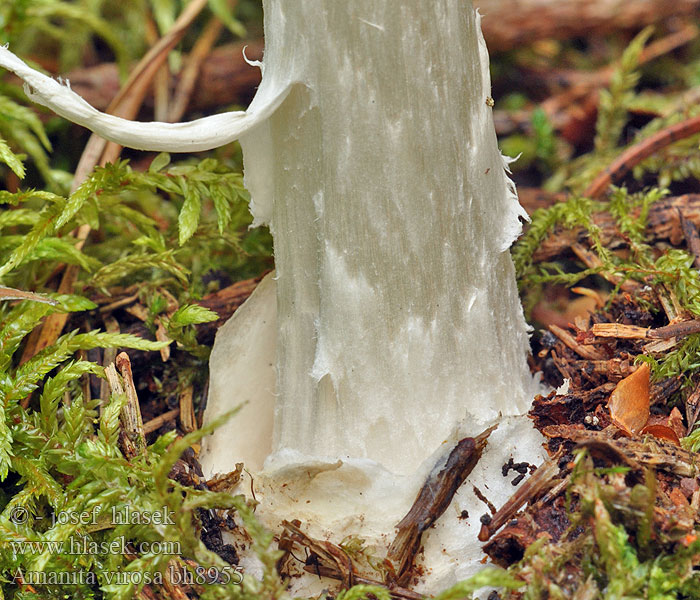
(542, 479)
(629, 402)
(569, 341)
(662, 223)
(329, 554)
(615, 368)
(331, 561)
(659, 346)
(620, 330)
(134, 436)
(432, 501)
(187, 416)
(651, 452)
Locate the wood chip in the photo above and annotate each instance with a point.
(432, 501)
(619, 330)
(569, 341)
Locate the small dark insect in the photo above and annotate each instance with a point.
(463, 515)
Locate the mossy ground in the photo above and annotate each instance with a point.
(165, 234)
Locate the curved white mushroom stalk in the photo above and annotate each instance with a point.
(194, 136)
(395, 327)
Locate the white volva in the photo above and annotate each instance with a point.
(370, 151)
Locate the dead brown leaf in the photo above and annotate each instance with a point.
(629, 402)
(662, 432)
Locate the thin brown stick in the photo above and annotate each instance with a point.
(592, 261)
(225, 78)
(631, 157)
(395, 591)
(130, 97)
(112, 306)
(161, 93)
(190, 73)
(7, 293)
(432, 501)
(569, 341)
(160, 420)
(620, 330)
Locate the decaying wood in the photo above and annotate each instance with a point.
(329, 560)
(650, 452)
(171, 583)
(131, 411)
(570, 408)
(662, 391)
(226, 481)
(589, 352)
(663, 223)
(615, 368)
(432, 501)
(188, 422)
(619, 330)
(132, 436)
(541, 480)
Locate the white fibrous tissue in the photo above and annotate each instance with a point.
(392, 327)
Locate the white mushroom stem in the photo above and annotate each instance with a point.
(397, 311)
(370, 151)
